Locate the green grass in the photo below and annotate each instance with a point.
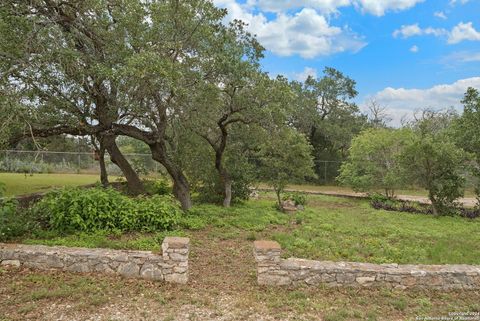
(19, 184)
(331, 228)
(350, 230)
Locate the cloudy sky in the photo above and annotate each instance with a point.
(407, 54)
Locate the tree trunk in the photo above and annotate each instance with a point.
(279, 200)
(223, 174)
(103, 167)
(156, 143)
(100, 153)
(225, 179)
(434, 204)
(134, 184)
(181, 189)
(227, 189)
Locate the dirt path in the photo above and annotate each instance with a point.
(226, 264)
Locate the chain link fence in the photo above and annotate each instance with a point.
(32, 162)
(21, 161)
(327, 171)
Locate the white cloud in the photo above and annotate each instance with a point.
(306, 33)
(459, 33)
(379, 7)
(440, 14)
(401, 101)
(414, 49)
(324, 6)
(463, 31)
(407, 31)
(303, 27)
(375, 7)
(303, 75)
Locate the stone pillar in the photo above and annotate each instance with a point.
(267, 256)
(175, 252)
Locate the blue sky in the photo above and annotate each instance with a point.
(407, 54)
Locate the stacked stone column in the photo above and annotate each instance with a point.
(175, 252)
(267, 256)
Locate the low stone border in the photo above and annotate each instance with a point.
(273, 270)
(170, 266)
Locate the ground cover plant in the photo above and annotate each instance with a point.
(91, 210)
(330, 228)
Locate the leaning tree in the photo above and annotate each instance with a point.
(59, 62)
(109, 68)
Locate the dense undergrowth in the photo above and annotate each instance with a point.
(74, 210)
(330, 228)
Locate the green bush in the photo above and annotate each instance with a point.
(297, 198)
(2, 189)
(155, 213)
(89, 210)
(15, 222)
(159, 186)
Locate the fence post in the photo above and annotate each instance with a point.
(325, 172)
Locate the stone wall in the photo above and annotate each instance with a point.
(169, 266)
(273, 270)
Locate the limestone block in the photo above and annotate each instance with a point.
(15, 263)
(129, 270)
(151, 272)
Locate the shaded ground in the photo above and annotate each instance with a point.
(222, 287)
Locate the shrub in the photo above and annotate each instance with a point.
(95, 209)
(373, 160)
(209, 188)
(378, 201)
(15, 222)
(2, 189)
(297, 198)
(155, 213)
(432, 161)
(9, 224)
(159, 186)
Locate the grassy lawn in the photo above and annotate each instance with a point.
(222, 282)
(19, 184)
(331, 228)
